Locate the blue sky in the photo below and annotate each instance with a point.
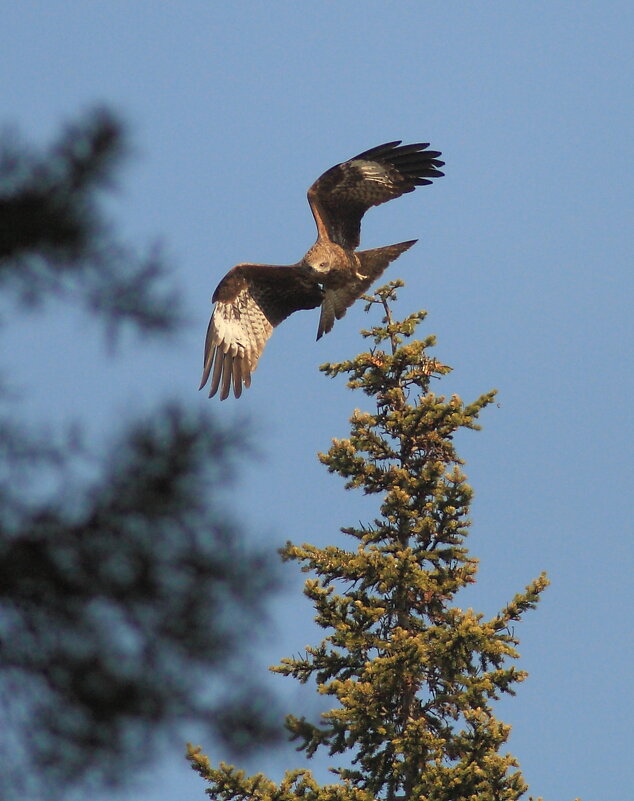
(524, 265)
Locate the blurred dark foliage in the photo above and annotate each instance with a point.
(126, 592)
(54, 238)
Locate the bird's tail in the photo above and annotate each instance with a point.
(372, 264)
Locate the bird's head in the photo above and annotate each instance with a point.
(316, 263)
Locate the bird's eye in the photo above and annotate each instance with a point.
(323, 264)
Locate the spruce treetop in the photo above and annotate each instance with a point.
(412, 676)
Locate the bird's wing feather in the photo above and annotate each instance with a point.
(250, 301)
(340, 197)
(372, 264)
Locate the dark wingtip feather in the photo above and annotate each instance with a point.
(205, 377)
(217, 373)
(375, 151)
(208, 356)
(237, 376)
(416, 147)
(226, 376)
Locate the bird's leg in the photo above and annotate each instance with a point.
(356, 265)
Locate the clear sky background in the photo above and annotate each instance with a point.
(524, 265)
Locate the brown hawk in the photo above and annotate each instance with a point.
(254, 298)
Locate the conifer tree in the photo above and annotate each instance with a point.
(412, 676)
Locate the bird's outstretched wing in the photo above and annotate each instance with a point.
(342, 195)
(250, 301)
(372, 264)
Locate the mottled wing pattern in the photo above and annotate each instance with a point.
(372, 264)
(342, 195)
(250, 301)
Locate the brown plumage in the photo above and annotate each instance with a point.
(254, 298)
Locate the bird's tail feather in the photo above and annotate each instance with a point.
(374, 262)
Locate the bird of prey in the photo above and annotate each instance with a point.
(254, 298)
